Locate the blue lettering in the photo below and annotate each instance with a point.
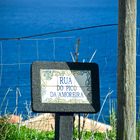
(65, 80)
(70, 94)
(52, 94)
(61, 80)
(60, 88)
(71, 88)
(70, 81)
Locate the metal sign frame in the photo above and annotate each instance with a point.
(38, 106)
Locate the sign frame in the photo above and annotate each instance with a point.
(37, 104)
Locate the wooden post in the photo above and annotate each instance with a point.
(64, 126)
(126, 115)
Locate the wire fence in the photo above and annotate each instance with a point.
(16, 57)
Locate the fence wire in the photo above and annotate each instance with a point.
(16, 57)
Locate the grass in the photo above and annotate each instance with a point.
(17, 132)
(88, 135)
(138, 130)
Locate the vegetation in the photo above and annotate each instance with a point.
(138, 130)
(87, 135)
(10, 131)
(17, 132)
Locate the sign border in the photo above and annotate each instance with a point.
(38, 106)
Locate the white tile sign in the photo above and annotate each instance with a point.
(65, 86)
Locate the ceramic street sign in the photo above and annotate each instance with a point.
(65, 87)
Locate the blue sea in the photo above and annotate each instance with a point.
(99, 45)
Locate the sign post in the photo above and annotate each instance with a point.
(64, 126)
(65, 89)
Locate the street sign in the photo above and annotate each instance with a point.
(65, 87)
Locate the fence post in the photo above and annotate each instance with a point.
(126, 115)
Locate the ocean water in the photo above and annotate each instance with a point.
(17, 55)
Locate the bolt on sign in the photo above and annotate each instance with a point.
(65, 87)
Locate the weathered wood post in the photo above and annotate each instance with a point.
(126, 115)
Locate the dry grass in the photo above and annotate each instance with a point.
(46, 122)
